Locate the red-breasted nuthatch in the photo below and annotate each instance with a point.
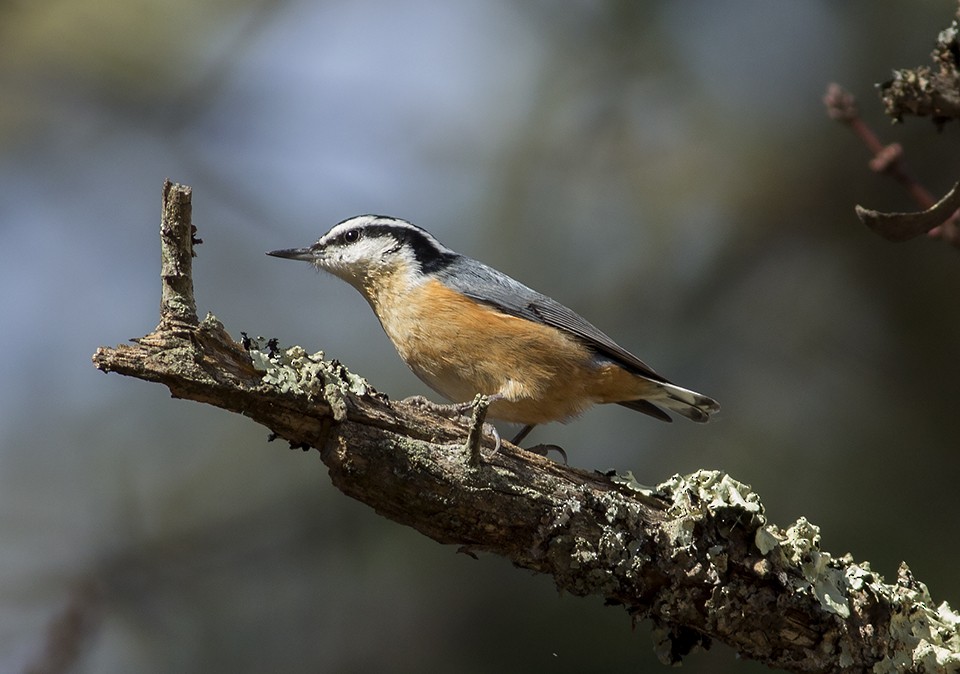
(465, 328)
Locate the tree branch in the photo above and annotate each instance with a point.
(928, 91)
(939, 219)
(695, 555)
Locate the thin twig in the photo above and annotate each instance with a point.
(177, 238)
(888, 160)
(70, 630)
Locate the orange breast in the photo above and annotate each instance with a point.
(460, 348)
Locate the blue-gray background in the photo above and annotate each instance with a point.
(665, 168)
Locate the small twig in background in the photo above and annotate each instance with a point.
(70, 630)
(888, 160)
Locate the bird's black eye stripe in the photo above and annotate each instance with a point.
(351, 236)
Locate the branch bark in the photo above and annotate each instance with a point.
(695, 554)
(927, 91)
(938, 219)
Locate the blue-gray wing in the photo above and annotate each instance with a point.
(485, 284)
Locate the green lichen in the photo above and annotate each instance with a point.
(703, 497)
(765, 540)
(712, 490)
(800, 547)
(630, 482)
(924, 638)
(297, 372)
(927, 637)
(708, 494)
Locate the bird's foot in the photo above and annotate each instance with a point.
(478, 426)
(477, 420)
(544, 450)
(449, 410)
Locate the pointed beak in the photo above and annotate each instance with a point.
(305, 254)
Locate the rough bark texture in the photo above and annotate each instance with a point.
(695, 554)
(928, 91)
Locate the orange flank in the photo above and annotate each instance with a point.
(460, 348)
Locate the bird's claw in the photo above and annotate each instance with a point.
(543, 450)
(451, 411)
(478, 425)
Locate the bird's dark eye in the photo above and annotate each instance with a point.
(351, 236)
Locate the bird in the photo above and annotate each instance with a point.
(465, 329)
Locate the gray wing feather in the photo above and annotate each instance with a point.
(485, 284)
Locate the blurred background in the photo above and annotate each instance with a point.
(664, 168)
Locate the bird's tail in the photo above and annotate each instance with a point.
(694, 406)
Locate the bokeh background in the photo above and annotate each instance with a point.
(666, 168)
